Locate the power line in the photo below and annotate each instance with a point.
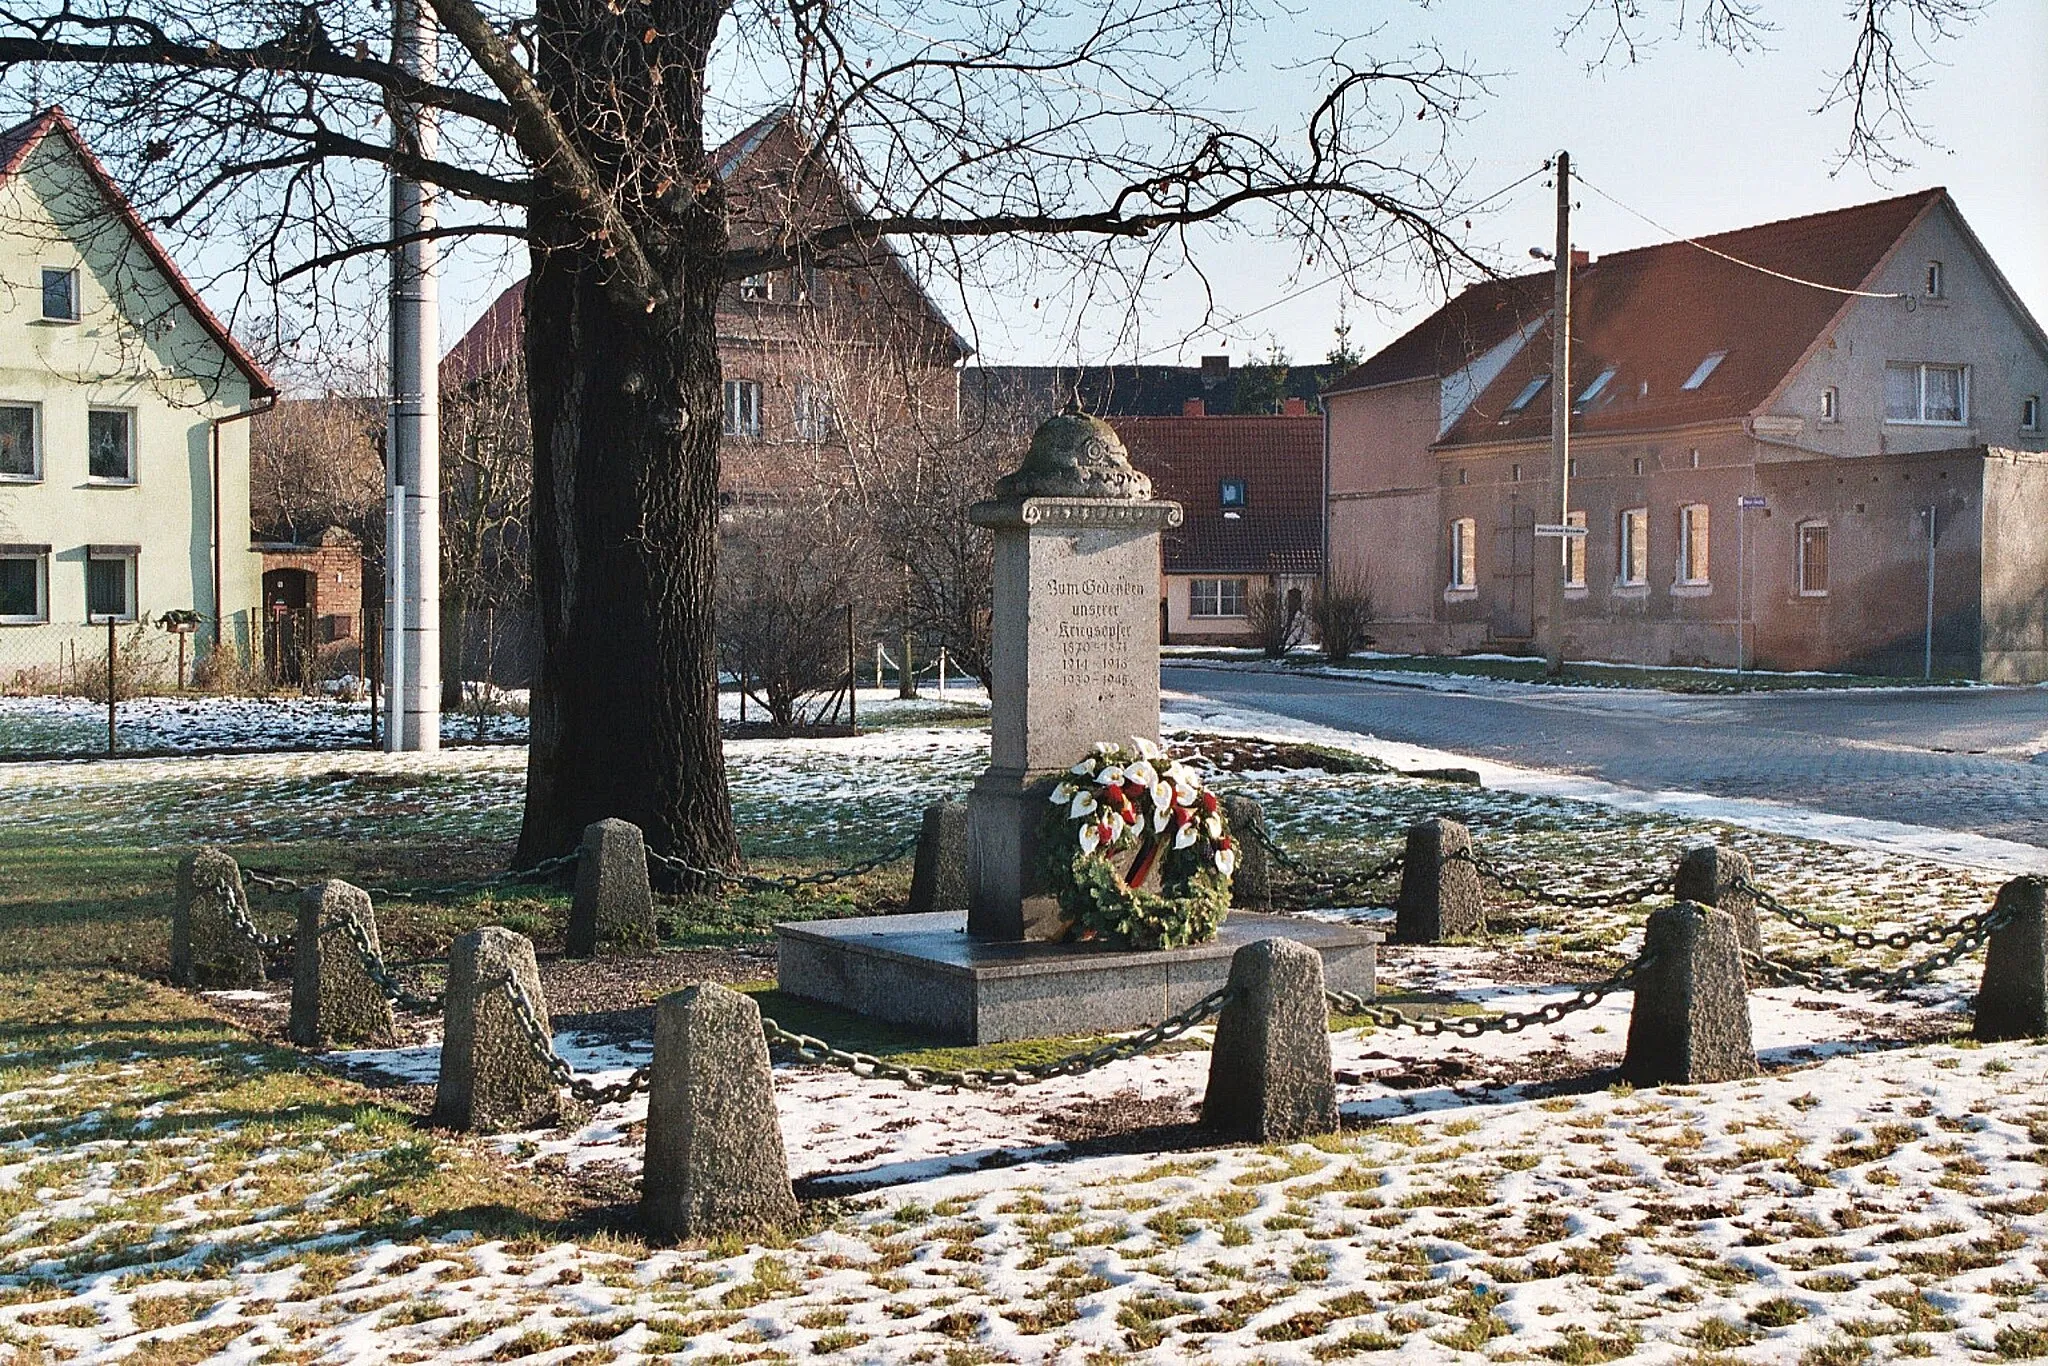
(1294, 294)
(1737, 260)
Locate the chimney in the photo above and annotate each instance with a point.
(1580, 258)
(1193, 407)
(1293, 407)
(1214, 368)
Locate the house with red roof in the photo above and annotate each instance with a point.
(1251, 489)
(124, 466)
(826, 362)
(1786, 441)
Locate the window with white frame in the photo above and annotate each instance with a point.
(110, 445)
(742, 407)
(1933, 285)
(817, 418)
(24, 584)
(1831, 404)
(21, 454)
(1632, 549)
(1936, 394)
(2030, 413)
(1216, 597)
(757, 289)
(1692, 543)
(110, 583)
(1813, 559)
(60, 294)
(1575, 552)
(1464, 553)
(1705, 368)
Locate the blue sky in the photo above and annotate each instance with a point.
(1697, 140)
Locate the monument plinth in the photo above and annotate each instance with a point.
(1074, 660)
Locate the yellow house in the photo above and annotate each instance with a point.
(124, 471)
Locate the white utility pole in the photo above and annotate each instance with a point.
(1560, 421)
(412, 464)
(1927, 643)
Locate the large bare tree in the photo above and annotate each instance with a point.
(979, 136)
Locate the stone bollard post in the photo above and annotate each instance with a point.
(714, 1160)
(614, 907)
(1251, 883)
(491, 1079)
(938, 879)
(1441, 896)
(207, 950)
(334, 998)
(1691, 1016)
(1707, 875)
(1269, 1074)
(2012, 1002)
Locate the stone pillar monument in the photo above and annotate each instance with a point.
(1074, 654)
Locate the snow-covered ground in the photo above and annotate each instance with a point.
(196, 723)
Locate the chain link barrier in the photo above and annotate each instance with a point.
(866, 1065)
(279, 885)
(1474, 1026)
(1864, 939)
(558, 1069)
(373, 964)
(1323, 885)
(1584, 901)
(229, 893)
(1892, 983)
(790, 882)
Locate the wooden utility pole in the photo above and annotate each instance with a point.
(1560, 421)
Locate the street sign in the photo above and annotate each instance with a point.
(1751, 500)
(1547, 529)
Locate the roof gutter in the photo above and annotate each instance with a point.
(214, 425)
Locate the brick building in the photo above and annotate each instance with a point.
(1906, 391)
(313, 607)
(826, 363)
(1252, 488)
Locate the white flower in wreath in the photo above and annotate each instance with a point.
(1162, 806)
(1084, 802)
(1141, 773)
(1104, 747)
(1213, 827)
(1183, 794)
(1146, 749)
(1084, 769)
(1091, 837)
(1110, 777)
(1116, 825)
(1179, 774)
(1064, 793)
(1186, 835)
(1226, 861)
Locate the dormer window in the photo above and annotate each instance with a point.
(1705, 368)
(757, 289)
(1231, 494)
(1933, 282)
(1528, 394)
(1596, 388)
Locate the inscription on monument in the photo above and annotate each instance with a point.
(1097, 640)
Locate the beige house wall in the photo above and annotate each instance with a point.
(135, 346)
(1183, 627)
(1384, 494)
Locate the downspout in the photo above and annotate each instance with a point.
(213, 459)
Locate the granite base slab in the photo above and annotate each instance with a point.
(924, 973)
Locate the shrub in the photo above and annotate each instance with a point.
(1342, 608)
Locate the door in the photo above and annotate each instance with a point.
(287, 624)
(1514, 574)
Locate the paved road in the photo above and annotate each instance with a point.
(1958, 759)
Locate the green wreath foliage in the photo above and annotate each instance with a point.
(1135, 806)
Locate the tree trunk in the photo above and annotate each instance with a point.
(625, 404)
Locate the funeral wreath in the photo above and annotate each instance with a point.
(1137, 802)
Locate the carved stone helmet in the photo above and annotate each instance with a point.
(1075, 456)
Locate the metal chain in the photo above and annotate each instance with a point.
(236, 907)
(1864, 939)
(373, 964)
(1322, 884)
(558, 1069)
(754, 882)
(283, 886)
(866, 1065)
(1473, 1026)
(1888, 983)
(1508, 882)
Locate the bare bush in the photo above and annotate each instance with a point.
(1342, 608)
(1277, 624)
(786, 578)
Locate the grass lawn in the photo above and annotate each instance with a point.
(173, 1188)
